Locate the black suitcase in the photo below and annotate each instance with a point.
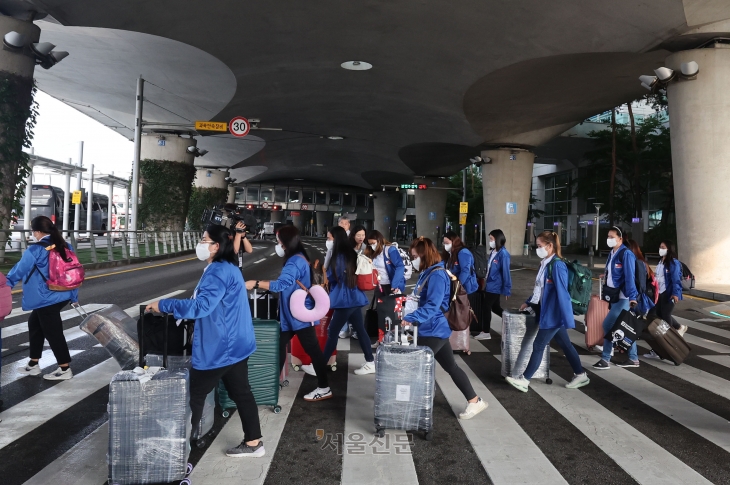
(152, 328)
(477, 300)
(371, 320)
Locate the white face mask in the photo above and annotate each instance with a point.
(447, 247)
(329, 245)
(202, 250)
(374, 247)
(279, 251)
(611, 242)
(541, 253)
(662, 252)
(416, 263)
(492, 244)
(33, 238)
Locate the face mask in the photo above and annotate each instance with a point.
(329, 245)
(416, 263)
(662, 252)
(33, 238)
(492, 244)
(611, 242)
(280, 251)
(202, 250)
(374, 247)
(541, 253)
(447, 247)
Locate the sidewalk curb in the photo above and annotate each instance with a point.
(130, 261)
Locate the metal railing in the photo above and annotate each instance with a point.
(108, 245)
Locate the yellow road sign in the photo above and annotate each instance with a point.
(211, 126)
(462, 219)
(463, 207)
(76, 198)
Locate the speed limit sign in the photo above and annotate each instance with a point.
(239, 126)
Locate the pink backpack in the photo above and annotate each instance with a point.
(63, 275)
(6, 298)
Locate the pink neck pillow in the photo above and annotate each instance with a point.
(300, 311)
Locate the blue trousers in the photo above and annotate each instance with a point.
(339, 319)
(543, 338)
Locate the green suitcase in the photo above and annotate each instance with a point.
(263, 365)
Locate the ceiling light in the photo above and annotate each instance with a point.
(356, 65)
(664, 74)
(191, 149)
(14, 41)
(336, 137)
(690, 69)
(318, 164)
(298, 180)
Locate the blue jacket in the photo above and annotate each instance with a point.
(395, 268)
(499, 279)
(295, 268)
(556, 310)
(623, 272)
(463, 268)
(36, 293)
(673, 278)
(341, 295)
(434, 299)
(223, 327)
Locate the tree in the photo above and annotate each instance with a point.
(474, 197)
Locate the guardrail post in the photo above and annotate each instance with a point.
(164, 242)
(73, 241)
(147, 244)
(93, 247)
(177, 239)
(125, 255)
(186, 240)
(109, 246)
(157, 244)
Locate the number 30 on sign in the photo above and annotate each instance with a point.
(239, 126)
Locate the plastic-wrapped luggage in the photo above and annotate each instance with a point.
(404, 387)
(149, 426)
(666, 342)
(460, 340)
(116, 332)
(518, 334)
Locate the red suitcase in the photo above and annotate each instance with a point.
(299, 357)
(596, 314)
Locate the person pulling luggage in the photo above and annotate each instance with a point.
(44, 322)
(553, 311)
(358, 243)
(434, 290)
(391, 272)
(460, 262)
(498, 280)
(296, 268)
(224, 336)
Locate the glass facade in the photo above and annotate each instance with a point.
(557, 202)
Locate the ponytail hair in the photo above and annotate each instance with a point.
(551, 237)
(43, 224)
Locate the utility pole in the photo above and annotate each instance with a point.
(463, 199)
(135, 166)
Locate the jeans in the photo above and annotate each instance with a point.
(543, 338)
(45, 324)
(613, 313)
(310, 343)
(339, 319)
(235, 378)
(444, 355)
(664, 308)
(523, 357)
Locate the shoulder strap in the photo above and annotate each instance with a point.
(48, 247)
(551, 264)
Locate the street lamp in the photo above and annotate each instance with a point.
(597, 227)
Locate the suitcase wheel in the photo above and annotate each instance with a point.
(380, 432)
(189, 471)
(200, 444)
(548, 381)
(296, 367)
(277, 409)
(186, 482)
(333, 367)
(467, 352)
(284, 383)
(226, 414)
(429, 435)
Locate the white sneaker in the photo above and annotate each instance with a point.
(682, 329)
(520, 384)
(484, 336)
(367, 368)
(30, 370)
(651, 355)
(60, 375)
(318, 394)
(598, 348)
(375, 345)
(345, 333)
(354, 335)
(309, 369)
(579, 380)
(473, 408)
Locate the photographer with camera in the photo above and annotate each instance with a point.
(241, 243)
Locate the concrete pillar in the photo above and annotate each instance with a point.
(699, 111)
(297, 219)
(210, 178)
(431, 208)
(386, 206)
(324, 218)
(277, 216)
(507, 181)
(231, 194)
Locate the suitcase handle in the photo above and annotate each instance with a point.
(141, 337)
(79, 309)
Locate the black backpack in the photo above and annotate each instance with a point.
(480, 261)
(688, 279)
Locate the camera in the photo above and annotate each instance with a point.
(228, 216)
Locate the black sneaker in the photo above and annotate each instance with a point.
(601, 365)
(629, 363)
(245, 451)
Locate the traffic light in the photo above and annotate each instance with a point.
(250, 207)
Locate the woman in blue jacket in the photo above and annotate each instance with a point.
(44, 322)
(223, 339)
(391, 271)
(620, 290)
(346, 298)
(498, 280)
(554, 312)
(296, 268)
(460, 262)
(433, 288)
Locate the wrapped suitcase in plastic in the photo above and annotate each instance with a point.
(460, 341)
(405, 378)
(299, 357)
(116, 332)
(666, 342)
(518, 334)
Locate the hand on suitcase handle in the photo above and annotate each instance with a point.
(153, 307)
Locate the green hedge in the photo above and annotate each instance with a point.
(166, 187)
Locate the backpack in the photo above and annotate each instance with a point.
(63, 275)
(459, 313)
(367, 275)
(579, 284)
(480, 261)
(407, 264)
(688, 279)
(6, 298)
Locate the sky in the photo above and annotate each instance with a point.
(58, 132)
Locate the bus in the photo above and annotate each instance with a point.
(47, 200)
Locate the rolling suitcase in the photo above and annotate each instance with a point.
(404, 387)
(460, 341)
(666, 342)
(477, 302)
(148, 425)
(596, 314)
(299, 357)
(115, 331)
(264, 305)
(518, 334)
(263, 365)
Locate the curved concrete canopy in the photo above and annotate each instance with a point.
(483, 71)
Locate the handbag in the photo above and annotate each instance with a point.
(626, 330)
(611, 295)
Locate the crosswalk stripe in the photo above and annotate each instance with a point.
(696, 341)
(19, 328)
(693, 417)
(11, 372)
(506, 451)
(215, 467)
(639, 456)
(699, 378)
(703, 328)
(43, 406)
(718, 359)
(370, 467)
